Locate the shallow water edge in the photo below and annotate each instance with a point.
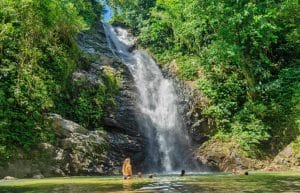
(287, 182)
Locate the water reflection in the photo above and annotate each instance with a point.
(127, 186)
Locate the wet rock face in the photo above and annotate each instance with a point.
(122, 146)
(122, 137)
(190, 108)
(122, 134)
(94, 45)
(123, 116)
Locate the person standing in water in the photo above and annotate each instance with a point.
(127, 169)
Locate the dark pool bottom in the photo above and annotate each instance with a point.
(202, 183)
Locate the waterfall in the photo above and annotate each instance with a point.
(167, 143)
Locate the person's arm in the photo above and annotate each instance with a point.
(123, 169)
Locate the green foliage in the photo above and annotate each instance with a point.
(296, 145)
(248, 127)
(156, 34)
(133, 12)
(247, 53)
(37, 55)
(188, 67)
(91, 102)
(88, 108)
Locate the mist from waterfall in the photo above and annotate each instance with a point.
(167, 142)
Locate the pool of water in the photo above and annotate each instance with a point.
(202, 183)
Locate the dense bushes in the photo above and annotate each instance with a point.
(37, 55)
(247, 53)
(91, 102)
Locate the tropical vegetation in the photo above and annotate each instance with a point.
(38, 54)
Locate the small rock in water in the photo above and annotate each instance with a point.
(39, 176)
(9, 178)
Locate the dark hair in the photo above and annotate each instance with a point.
(182, 173)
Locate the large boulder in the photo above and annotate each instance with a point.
(9, 178)
(226, 156)
(63, 127)
(287, 159)
(76, 151)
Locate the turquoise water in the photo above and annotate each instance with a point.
(202, 183)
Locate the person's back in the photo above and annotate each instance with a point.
(126, 169)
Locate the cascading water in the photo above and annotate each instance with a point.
(167, 143)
